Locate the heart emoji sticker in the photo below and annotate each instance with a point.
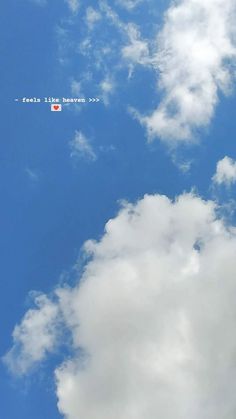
(55, 108)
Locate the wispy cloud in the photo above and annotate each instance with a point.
(73, 5)
(190, 58)
(92, 17)
(80, 147)
(76, 88)
(129, 4)
(32, 174)
(137, 49)
(107, 88)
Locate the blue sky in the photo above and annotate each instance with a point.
(53, 201)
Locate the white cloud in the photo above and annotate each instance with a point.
(35, 336)
(75, 87)
(129, 4)
(137, 50)
(73, 5)
(194, 49)
(107, 88)
(81, 147)
(109, 54)
(92, 17)
(110, 14)
(153, 317)
(225, 171)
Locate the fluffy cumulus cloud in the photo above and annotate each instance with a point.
(195, 47)
(152, 319)
(225, 171)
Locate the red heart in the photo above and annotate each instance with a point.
(56, 107)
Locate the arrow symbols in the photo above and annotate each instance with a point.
(94, 99)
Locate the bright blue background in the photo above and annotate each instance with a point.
(44, 222)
